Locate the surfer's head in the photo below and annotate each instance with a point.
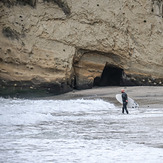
(122, 90)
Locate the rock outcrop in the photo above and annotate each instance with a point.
(53, 46)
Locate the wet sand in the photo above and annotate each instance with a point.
(145, 96)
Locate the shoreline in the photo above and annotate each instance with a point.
(145, 96)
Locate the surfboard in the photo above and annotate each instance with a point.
(131, 102)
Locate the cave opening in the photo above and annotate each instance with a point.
(111, 76)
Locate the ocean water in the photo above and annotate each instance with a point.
(78, 131)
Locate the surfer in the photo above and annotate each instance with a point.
(125, 101)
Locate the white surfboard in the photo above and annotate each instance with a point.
(131, 102)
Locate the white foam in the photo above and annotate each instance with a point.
(71, 131)
(21, 112)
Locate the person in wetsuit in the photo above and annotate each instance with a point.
(125, 101)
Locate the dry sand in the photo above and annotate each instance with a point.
(145, 96)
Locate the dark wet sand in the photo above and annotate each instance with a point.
(145, 96)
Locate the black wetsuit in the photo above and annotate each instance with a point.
(124, 98)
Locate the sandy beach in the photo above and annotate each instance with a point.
(145, 96)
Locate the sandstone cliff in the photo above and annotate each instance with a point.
(54, 46)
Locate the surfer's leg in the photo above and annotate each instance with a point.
(126, 110)
(123, 108)
(126, 107)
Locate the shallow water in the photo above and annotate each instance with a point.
(73, 131)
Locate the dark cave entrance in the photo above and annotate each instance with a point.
(111, 76)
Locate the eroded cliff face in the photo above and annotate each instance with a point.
(57, 45)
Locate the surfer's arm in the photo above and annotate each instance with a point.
(126, 98)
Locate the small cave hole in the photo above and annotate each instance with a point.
(111, 76)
